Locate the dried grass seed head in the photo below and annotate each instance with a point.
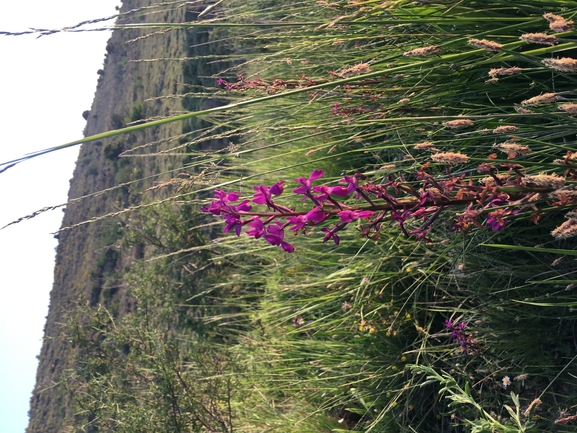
(545, 98)
(501, 72)
(485, 44)
(424, 145)
(504, 129)
(569, 108)
(539, 38)
(490, 180)
(558, 23)
(547, 180)
(458, 123)
(563, 64)
(450, 157)
(512, 148)
(566, 230)
(425, 51)
(359, 68)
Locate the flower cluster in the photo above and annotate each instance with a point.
(412, 205)
(459, 335)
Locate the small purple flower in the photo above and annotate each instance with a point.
(316, 215)
(226, 196)
(313, 217)
(264, 194)
(306, 187)
(232, 222)
(348, 216)
(496, 219)
(353, 183)
(330, 234)
(275, 236)
(222, 204)
(336, 109)
(257, 229)
(459, 335)
(298, 322)
(422, 234)
(220, 82)
(326, 191)
(298, 223)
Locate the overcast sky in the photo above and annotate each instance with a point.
(45, 85)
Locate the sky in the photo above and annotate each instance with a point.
(45, 85)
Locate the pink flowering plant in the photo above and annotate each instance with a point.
(413, 206)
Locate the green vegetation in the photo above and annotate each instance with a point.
(214, 332)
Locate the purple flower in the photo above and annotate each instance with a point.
(336, 109)
(264, 194)
(316, 215)
(352, 182)
(313, 217)
(298, 322)
(459, 335)
(421, 234)
(330, 234)
(496, 219)
(327, 191)
(257, 229)
(298, 222)
(232, 222)
(348, 216)
(307, 183)
(275, 236)
(222, 204)
(243, 207)
(226, 196)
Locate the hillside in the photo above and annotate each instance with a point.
(86, 260)
(375, 233)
